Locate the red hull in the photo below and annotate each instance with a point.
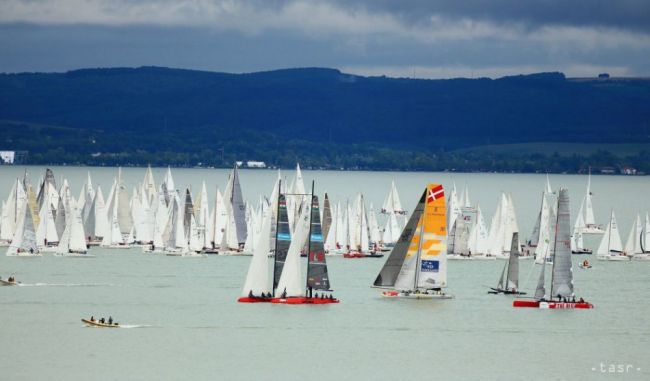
(302, 300)
(246, 299)
(551, 305)
(354, 255)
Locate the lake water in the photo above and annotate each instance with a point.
(181, 320)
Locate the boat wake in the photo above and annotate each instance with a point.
(64, 284)
(130, 326)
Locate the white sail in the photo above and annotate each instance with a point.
(478, 236)
(202, 213)
(611, 241)
(633, 243)
(46, 231)
(73, 238)
(291, 279)
(101, 216)
(646, 234)
(453, 208)
(149, 185)
(24, 240)
(392, 203)
(257, 278)
(589, 209)
(330, 240)
(577, 240)
(375, 236)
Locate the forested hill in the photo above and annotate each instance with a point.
(273, 115)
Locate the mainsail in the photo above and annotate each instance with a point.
(419, 257)
(317, 277)
(562, 269)
(282, 241)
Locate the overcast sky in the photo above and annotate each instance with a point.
(421, 38)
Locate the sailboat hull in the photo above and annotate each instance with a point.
(506, 292)
(593, 229)
(619, 258)
(7, 283)
(641, 257)
(551, 305)
(413, 295)
(248, 299)
(355, 254)
(303, 300)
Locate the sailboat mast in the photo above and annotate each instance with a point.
(361, 214)
(309, 258)
(609, 237)
(417, 259)
(557, 219)
(277, 226)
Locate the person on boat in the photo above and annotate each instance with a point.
(31, 250)
(284, 294)
(250, 294)
(102, 320)
(110, 320)
(92, 318)
(581, 300)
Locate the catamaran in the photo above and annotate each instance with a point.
(417, 266)
(509, 280)
(286, 268)
(611, 247)
(562, 294)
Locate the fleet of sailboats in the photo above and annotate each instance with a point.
(561, 294)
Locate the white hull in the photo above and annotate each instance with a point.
(593, 230)
(457, 257)
(413, 295)
(641, 257)
(75, 255)
(25, 255)
(619, 258)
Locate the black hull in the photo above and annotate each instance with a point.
(496, 291)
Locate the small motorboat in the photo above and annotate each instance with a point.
(9, 282)
(97, 323)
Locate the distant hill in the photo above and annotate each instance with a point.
(313, 114)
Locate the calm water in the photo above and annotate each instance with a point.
(182, 322)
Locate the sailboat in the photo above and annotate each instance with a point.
(286, 267)
(393, 209)
(23, 243)
(577, 240)
(611, 247)
(73, 241)
(509, 280)
(234, 235)
(634, 244)
(417, 266)
(590, 226)
(644, 255)
(359, 233)
(562, 294)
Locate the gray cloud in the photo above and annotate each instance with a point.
(621, 14)
(433, 38)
